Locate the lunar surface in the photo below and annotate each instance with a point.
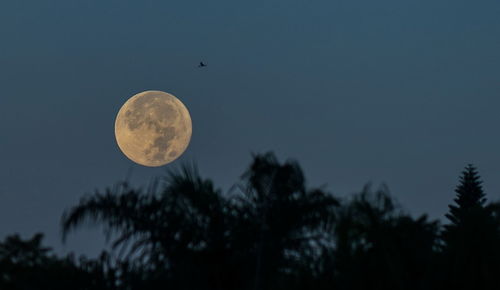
(153, 128)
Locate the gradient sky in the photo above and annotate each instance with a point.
(396, 91)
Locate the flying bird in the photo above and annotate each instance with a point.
(202, 64)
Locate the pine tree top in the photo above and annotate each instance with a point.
(469, 195)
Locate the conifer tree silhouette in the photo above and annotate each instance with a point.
(471, 239)
(470, 197)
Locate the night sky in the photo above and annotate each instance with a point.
(396, 91)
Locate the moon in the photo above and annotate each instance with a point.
(153, 128)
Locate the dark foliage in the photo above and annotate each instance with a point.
(26, 264)
(471, 253)
(380, 247)
(270, 232)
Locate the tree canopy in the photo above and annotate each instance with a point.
(271, 231)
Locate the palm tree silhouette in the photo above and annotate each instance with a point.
(165, 230)
(285, 217)
(266, 225)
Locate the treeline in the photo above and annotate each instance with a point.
(269, 232)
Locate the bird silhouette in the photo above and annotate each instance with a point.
(202, 64)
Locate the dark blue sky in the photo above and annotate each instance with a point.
(397, 91)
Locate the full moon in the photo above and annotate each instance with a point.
(153, 128)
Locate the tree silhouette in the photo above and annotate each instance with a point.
(380, 247)
(471, 239)
(26, 264)
(191, 236)
(470, 198)
(179, 234)
(269, 232)
(284, 218)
